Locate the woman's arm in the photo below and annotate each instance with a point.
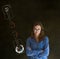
(46, 48)
(29, 51)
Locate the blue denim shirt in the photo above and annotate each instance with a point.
(37, 50)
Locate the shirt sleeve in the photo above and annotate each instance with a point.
(29, 51)
(46, 48)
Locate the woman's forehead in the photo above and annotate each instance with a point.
(37, 26)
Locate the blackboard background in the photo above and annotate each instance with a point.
(26, 12)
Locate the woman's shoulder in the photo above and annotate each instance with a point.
(29, 38)
(46, 38)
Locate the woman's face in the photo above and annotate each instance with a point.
(37, 30)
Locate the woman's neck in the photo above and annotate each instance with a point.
(37, 38)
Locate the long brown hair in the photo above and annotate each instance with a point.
(42, 34)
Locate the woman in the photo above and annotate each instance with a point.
(37, 45)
